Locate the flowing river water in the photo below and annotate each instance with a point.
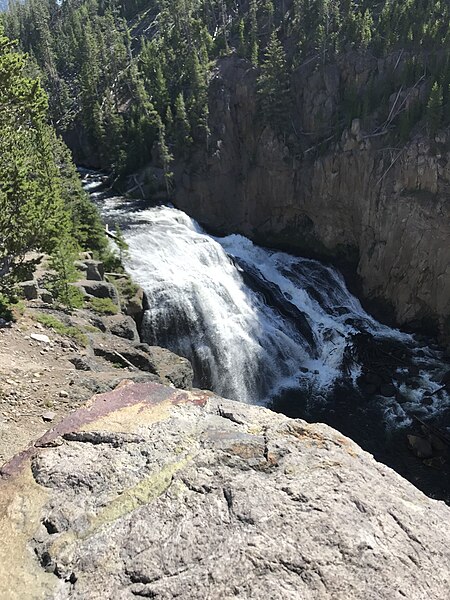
(265, 327)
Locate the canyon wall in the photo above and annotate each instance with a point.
(378, 207)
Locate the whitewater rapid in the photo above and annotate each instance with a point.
(255, 322)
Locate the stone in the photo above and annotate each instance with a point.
(92, 269)
(388, 390)
(29, 289)
(420, 446)
(134, 307)
(63, 394)
(81, 266)
(99, 289)
(48, 416)
(153, 492)
(40, 337)
(82, 363)
(122, 326)
(368, 388)
(125, 355)
(170, 367)
(45, 296)
(95, 270)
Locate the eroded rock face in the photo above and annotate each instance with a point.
(155, 492)
(383, 210)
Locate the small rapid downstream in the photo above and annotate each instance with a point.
(265, 327)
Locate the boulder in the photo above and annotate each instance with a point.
(151, 492)
(170, 367)
(420, 446)
(81, 266)
(374, 379)
(40, 337)
(388, 390)
(94, 270)
(82, 363)
(29, 289)
(134, 307)
(121, 326)
(125, 354)
(45, 296)
(99, 289)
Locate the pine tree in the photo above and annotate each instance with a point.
(182, 128)
(434, 112)
(253, 37)
(42, 205)
(241, 38)
(273, 85)
(164, 155)
(31, 208)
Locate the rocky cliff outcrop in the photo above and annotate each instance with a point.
(153, 492)
(381, 207)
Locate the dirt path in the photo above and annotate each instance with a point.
(35, 378)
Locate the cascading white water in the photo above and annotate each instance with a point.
(253, 321)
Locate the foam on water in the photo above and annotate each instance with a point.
(253, 321)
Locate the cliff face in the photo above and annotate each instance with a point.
(380, 209)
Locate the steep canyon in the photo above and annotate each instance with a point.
(378, 207)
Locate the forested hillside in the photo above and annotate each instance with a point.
(128, 79)
(316, 125)
(42, 205)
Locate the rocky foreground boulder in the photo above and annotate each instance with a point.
(152, 492)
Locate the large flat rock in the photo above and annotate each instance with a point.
(152, 492)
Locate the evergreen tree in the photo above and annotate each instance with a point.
(253, 37)
(241, 38)
(31, 208)
(182, 128)
(273, 85)
(434, 112)
(42, 204)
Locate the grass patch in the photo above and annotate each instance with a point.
(127, 289)
(91, 329)
(125, 286)
(59, 327)
(103, 306)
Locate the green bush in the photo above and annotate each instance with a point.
(5, 308)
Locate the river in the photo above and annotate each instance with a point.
(265, 327)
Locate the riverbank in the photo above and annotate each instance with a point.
(53, 360)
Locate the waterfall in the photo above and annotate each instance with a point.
(256, 323)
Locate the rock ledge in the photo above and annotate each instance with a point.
(152, 492)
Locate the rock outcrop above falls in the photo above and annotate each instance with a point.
(153, 492)
(367, 201)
